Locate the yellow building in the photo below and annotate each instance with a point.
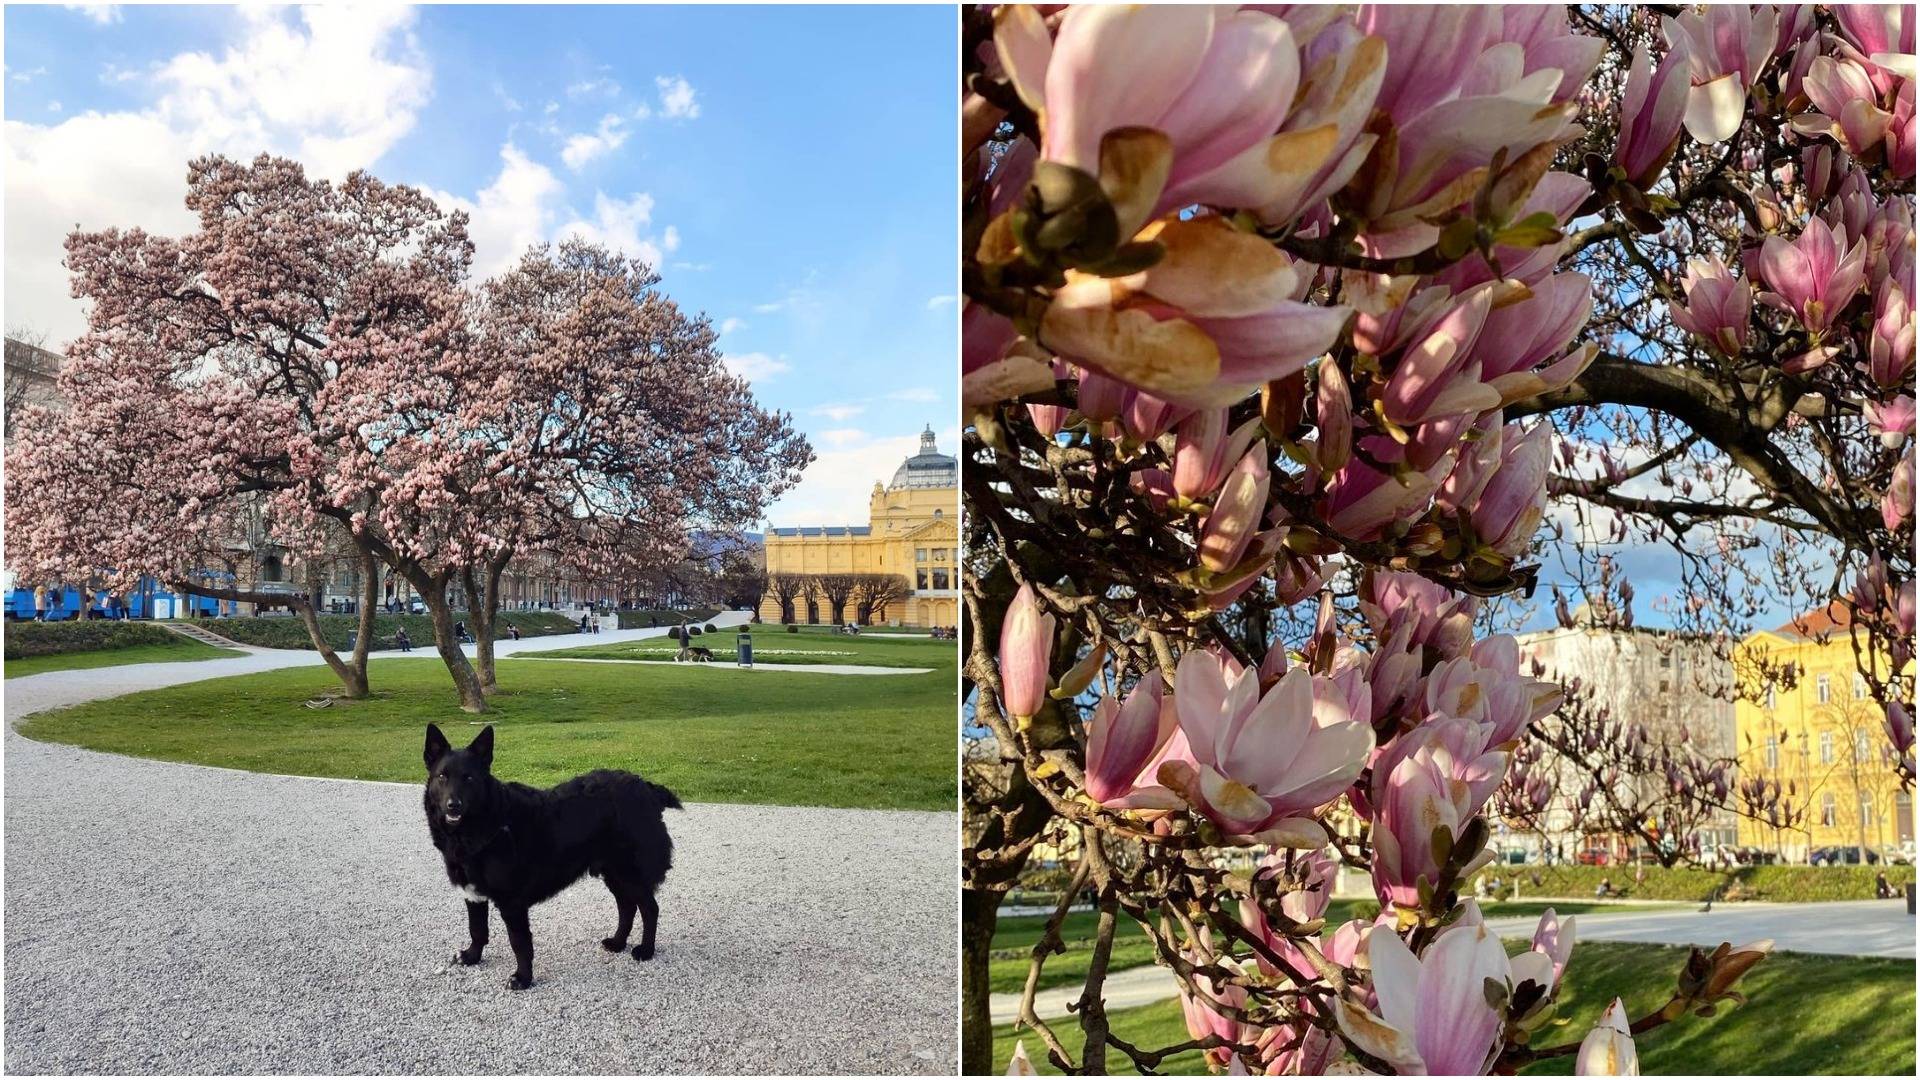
(1825, 736)
(910, 538)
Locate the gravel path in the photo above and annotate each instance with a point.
(175, 918)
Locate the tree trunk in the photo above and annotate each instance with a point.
(369, 599)
(466, 682)
(979, 916)
(353, 679)
(483, 605)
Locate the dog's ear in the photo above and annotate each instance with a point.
(437, 746)
(482, 747)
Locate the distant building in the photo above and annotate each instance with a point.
(1825, 736)
(31, 378)
(1664, 681)
(910, 533)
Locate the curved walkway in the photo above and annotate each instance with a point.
(176, 918)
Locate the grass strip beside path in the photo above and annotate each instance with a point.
(1807, 1015)
(183, 649)
(712, 736)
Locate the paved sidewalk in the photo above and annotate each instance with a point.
(166, 918)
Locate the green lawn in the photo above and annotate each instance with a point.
(1014, 937)
(776, 646)
(183, 649)
(1808, 1014)
(712, 735)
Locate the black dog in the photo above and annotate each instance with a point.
(516, 845)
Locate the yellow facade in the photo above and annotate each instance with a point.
(1825, 736)
(911, 532)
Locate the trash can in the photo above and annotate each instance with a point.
(745, 644)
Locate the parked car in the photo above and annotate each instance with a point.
(1848, 854)
(1593, 857)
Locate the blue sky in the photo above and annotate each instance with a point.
(789, 170)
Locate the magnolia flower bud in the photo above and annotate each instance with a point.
(1026, 653)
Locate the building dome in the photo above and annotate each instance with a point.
(927, 469)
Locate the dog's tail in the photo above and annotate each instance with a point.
(668, 800)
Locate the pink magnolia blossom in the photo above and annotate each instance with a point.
(1892, 421)
(1441, 620)
(1848, 105)
(1236, 515)
(1608, 1049)
(1363, 503)
(1719, 306)
(1899, 727)
(1125, 741)
(1204, 451)
(1890, 348)
(1259, 760)
(1811, 278)
(1515, 496)
(1315, 870)
(1727, 47)
(1205, 326)
(1545, 961)
(1026, 652)
(1650, 115)
(1433, 1015)
(1897, 507)
(1486, 685)
(1436, 777)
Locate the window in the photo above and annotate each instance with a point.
(939, 554)
(1826, 810)
(1862, 746)
(1663, 686)
(1773, 752)
(940, 577)
(1666, 661)
(1823, 689)
(919, 554)
(1826, 748)
(1859, 687)
(1866, 809)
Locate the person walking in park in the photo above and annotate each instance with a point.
(1882, 888)
(513, 631)
(39, 603)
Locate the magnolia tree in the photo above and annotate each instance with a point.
(1295, 339)
(315, 359)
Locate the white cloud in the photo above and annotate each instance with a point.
(27, 76)
(586, 146)
(332, 88)
(836, 488)
(839, 412)
(729, 324)
(843, 436)
(595, 87)
(677, 99)
(53, 106)
(770, 308)
(514, 212)
(915, 393)
(619, 224)
(756, 367)
(937, 302)
(99, 14)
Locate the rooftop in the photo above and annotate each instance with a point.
(927, 469)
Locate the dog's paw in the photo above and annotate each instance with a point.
(643, 952)
(614, 944)
(519, 981)
(468, 956)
